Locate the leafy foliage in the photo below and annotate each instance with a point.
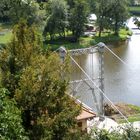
(137, 22)
(57, 18)
(119, 14)
(17, 55)
(122, 133)
(78, 18)
(10, 119)
(103, 14)
(92, 6)
(14, 10)
(35, 80)
(111, 14)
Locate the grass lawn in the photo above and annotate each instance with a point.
(5, 38)
(135, 8)
(55, 44)
(5, 33)
(135, 108)
(89, 41)
(132, 112)
(132, 118)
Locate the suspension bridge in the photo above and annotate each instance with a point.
(94, 83)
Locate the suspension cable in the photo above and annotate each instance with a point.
(117, 57)
(98, 88)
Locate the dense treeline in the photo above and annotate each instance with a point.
(57, 18)
(72, 16)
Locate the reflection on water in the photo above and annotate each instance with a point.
(122, 84)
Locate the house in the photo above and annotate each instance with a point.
(86, 115)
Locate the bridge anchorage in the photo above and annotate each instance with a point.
(94, 83)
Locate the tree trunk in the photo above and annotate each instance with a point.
(26, 119)
(100, 32)
(116, 28)
(100, 28)
(64, 33)
(51, 37)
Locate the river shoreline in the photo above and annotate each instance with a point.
(84, 42)
(132, 112)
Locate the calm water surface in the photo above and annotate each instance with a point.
(122, 84)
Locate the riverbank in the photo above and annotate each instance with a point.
(132, 113)
(6, 34)
(89, 41)
(135, 10)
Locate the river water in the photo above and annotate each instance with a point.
(122, 83)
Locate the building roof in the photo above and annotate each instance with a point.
(85, 114)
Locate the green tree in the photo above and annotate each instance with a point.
(47, 105)
(14, 10)
(92, 5)
(103, 10)
(111, 14)
(132, 2)
(4, 11)
(57, 18)
(17, 55)
(34, 78)
(119, 14)
(71, 3)
(10, 118)
(78, 18)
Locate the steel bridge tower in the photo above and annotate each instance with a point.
(99, 48)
